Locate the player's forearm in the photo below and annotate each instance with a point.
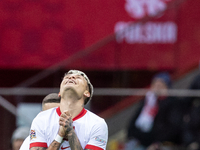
(74, 141)
(54, 146)
(38, 148)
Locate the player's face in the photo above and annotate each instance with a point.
(74, 82)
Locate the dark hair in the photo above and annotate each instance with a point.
(51, 98)
(165, 77)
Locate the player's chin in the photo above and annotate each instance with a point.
(73, 89)
(69, 87)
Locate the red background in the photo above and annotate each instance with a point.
(40, 33)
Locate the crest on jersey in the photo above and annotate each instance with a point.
(139, 8)
(32, 134)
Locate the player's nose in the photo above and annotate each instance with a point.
(72, 77)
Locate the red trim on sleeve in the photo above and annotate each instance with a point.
(38, 144)
(93, 147)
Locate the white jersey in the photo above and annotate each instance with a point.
(91, 130)
(25, 144)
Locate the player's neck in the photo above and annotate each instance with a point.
(74, 107)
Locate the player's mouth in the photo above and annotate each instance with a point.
(70, 82)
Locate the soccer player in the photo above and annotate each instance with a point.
(50, 101)
(70, 126)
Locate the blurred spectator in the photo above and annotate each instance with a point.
(158, 118)
(18, 137)
(191, 120)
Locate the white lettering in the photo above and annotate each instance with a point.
(120, 28)
(148, 33)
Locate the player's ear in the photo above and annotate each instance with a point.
(86, 93)
(59, 94)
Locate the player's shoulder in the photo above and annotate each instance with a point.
(96, 122)
(95, 117)
(43, 115)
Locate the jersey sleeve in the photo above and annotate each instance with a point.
(99, 136)
(37, 132)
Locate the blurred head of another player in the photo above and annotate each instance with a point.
(50, 101)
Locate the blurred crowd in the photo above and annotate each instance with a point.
(164, 122)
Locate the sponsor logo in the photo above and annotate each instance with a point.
(100, 140)
(140, 8)
(32, 134)
(62, 148)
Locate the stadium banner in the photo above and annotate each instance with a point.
(101, 34)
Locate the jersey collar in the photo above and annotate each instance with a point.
(81, 114)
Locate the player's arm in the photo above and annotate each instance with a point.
(38, 148)
(53, 146)
(74, 141)
(66, 130)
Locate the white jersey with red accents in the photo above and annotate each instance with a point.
(91, 130)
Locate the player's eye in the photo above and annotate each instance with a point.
(66, 77)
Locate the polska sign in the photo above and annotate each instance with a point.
(150, 32)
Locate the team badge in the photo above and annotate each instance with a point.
(32, 134)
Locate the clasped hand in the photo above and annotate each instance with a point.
(65, 122)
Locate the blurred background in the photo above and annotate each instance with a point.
(120, 45)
